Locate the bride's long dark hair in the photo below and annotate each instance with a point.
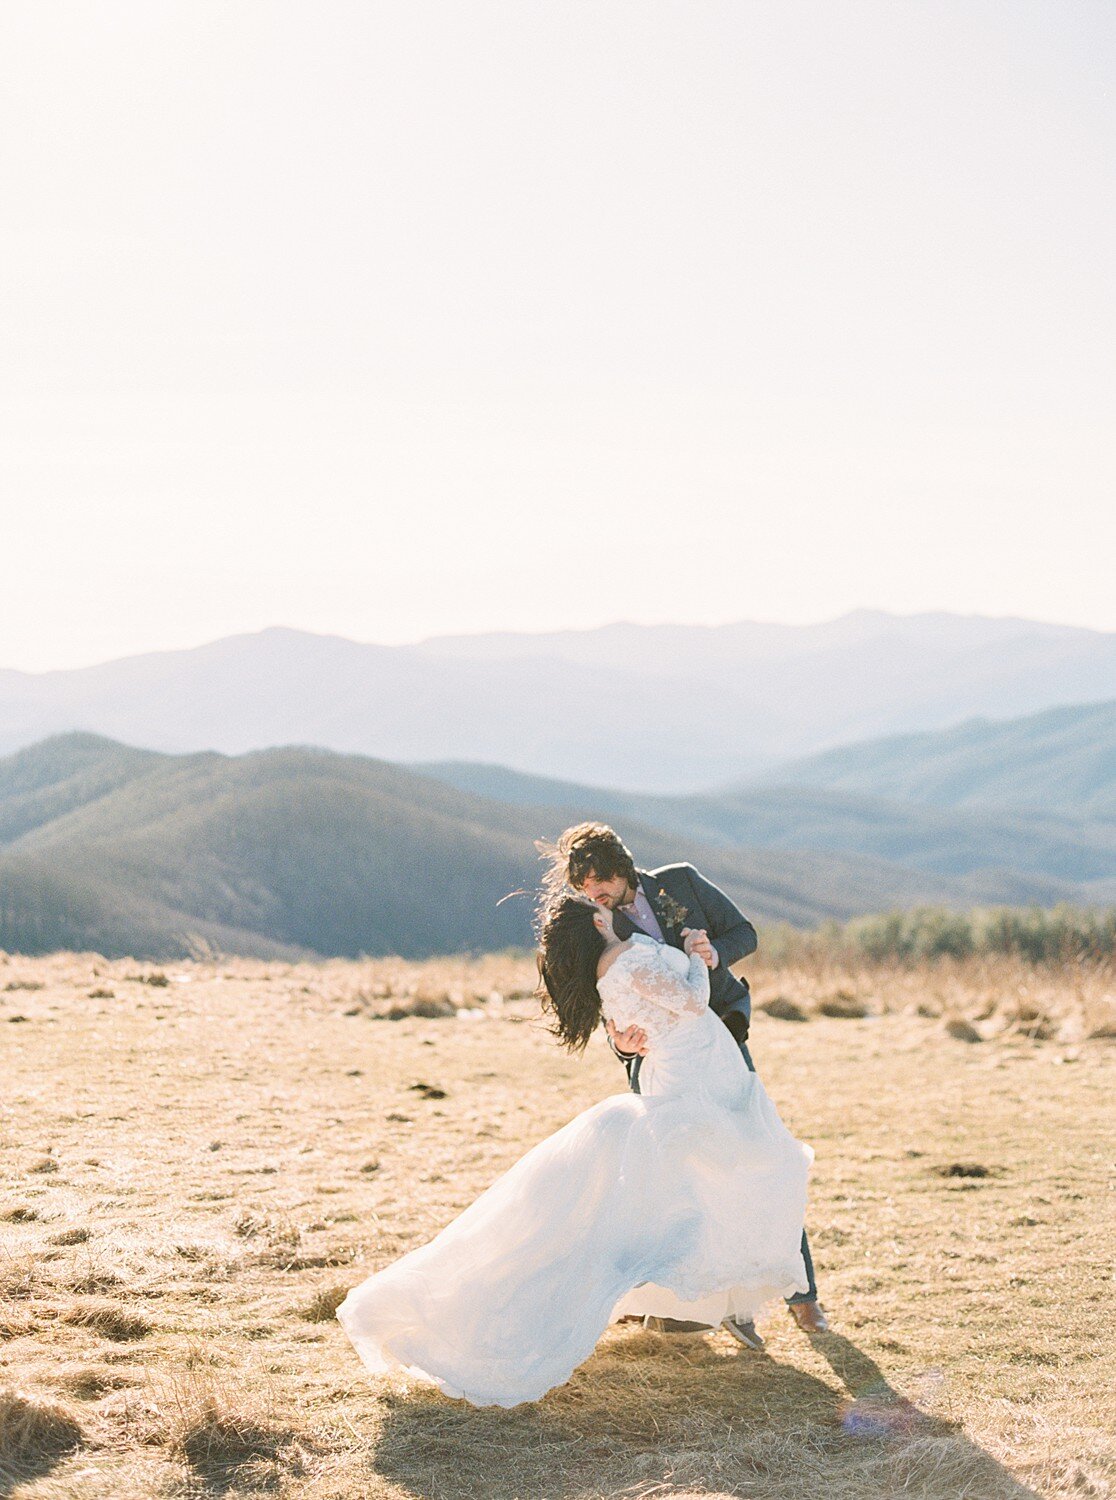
(570, 946)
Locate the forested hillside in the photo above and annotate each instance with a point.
(302, 851)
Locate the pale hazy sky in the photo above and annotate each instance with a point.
(391, 319)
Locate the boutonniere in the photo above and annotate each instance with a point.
(672, 912)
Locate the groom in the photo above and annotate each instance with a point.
(675, 904)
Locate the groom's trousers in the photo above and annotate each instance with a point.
(811, 1295)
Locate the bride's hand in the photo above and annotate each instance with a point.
(634, 1040)
(696, 940)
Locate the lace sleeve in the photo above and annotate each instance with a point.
(652, 978)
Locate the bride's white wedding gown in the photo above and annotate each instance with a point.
(685, 1200)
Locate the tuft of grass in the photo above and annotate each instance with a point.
(1031, 1018)
(198, 1252)
(300, 1260)
(19, 1213)
(88, 1382)
(844, 1005)
(249, 1225)
(75, 1236)
(232, 1438)
(280, 1245)
(427, 1091)
(779, 1008)
(324, 1303)
(1100, 1018)
(35, 1433)
(961, 1030)
(279, 1239)
(135, 1415)
(108, 1319)
(16, 1322)
(428, 1007)
(20, 1277)
(94, 1279)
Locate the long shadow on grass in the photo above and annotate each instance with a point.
(654, 1414)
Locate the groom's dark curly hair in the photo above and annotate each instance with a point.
(583, 850)
(569, 948)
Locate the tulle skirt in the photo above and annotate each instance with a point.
(676, 1205)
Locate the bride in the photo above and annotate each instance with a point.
(683, 1201)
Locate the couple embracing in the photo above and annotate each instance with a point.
(681, 1202)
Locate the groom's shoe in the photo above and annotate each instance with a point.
(744, 1333)
(810, 1316)
(673, 1325)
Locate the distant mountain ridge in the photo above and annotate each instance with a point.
(303, 851)
(1063, 759)
(1028, 798)
(692, 707)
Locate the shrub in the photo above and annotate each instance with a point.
(1061, 935)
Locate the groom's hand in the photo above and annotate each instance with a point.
(632, 1042)
(696, 940)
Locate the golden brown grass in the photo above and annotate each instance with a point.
(35, 1433)
(233, 1148)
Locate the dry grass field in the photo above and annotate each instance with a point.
(197, 1164)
